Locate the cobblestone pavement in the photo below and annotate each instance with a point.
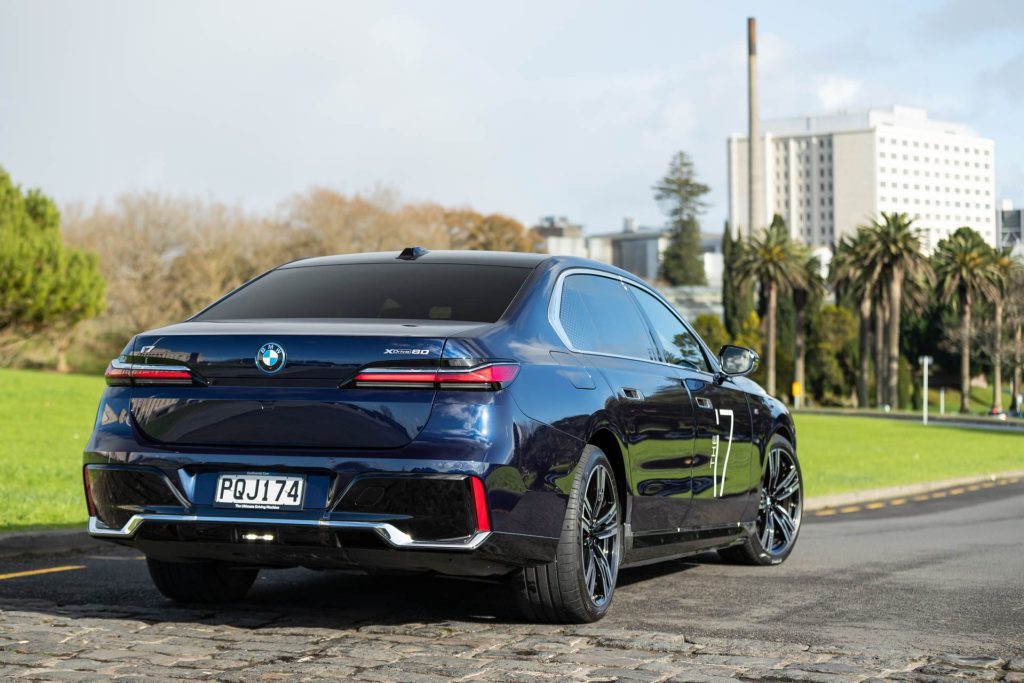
(931, 596)
(92, 642)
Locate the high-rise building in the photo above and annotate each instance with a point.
(825, 175)
(1011, 226)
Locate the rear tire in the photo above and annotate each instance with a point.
(201, 581)
(577, 587)
(780, 508)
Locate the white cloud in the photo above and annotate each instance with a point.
(836, 92)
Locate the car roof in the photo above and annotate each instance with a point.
(483, 258)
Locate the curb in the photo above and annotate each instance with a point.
(58, 542)
(857, 497)
(1012, 424)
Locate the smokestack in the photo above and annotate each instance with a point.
(755, 168)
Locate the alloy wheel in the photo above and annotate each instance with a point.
(599, 535)
(781, 505)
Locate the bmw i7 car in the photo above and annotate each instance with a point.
(541, 420)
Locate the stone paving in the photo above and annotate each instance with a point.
(42, 641)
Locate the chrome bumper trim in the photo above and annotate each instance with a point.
(392, 535)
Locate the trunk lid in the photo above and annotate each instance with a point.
(297, 399)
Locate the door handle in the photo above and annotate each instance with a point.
(704, 403)
(632, 394)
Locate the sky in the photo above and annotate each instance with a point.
(529, 109)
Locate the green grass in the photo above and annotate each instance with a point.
(45, 420)
(840, 454)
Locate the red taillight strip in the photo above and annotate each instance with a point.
(88, 491)
(120, 373)
(489, 376)
(483, 516)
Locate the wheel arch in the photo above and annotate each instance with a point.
(610, 444)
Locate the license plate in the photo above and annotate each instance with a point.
(260, 491)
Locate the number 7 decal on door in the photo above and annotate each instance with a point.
(715, 441)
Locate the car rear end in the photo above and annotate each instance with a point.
(332, 413)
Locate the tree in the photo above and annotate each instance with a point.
(1004, 269)
(805, 293)
(776, 263)
(895, 253)
(712, 330)
(964, 269)
(45, 287)
(494, 232)
(832, 343)
(1015, 317)
(737, 299)
(682, 197)
(852, 278)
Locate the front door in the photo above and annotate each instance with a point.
(720, 468)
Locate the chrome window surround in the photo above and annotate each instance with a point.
(555, 305)
(393, 536)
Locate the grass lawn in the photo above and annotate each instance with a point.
(45, 420)
(839, 454)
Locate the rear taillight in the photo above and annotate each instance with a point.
(483, 517)
(491, 376)
(88, 491)
(120, 373)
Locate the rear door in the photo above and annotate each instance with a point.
(651, 406)
(722, 459)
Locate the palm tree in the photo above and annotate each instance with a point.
(965, 271)
(852, 279)
(895, 253)
(774, 261)
(1015, 309)
(1004, 269)
(812, 287)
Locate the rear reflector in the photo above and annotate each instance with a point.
(492, 376)
(124, 374)
(483, 517)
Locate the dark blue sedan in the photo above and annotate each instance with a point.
(541, 420)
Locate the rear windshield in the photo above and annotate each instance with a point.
(404, 291)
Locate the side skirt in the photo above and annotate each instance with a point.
(670, 544)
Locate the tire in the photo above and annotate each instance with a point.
(200, 581)
(578, 586)
(780, 502)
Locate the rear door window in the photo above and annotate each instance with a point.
(597, 315)
(397, 291)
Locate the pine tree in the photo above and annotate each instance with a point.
(682, 197)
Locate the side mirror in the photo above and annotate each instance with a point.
(737, 360)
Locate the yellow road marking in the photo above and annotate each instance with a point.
(850, 508)
(939, 494)
(920, 498)
(987, 485)
(956, 492)
(825, 513)
(37, 572)
(875, 506)
(897, 501)
(1004, 482)
(1015, 480)
(973, 487)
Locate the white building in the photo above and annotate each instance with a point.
(1011, 226)
(825, 175)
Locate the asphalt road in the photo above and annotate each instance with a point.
(915, 581)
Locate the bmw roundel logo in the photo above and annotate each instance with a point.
(270, 358)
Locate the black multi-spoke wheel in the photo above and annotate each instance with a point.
(599, 534)
(779, 509)
(578, 586)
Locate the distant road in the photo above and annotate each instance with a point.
(968, 422)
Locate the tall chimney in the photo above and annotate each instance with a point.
(755, 168)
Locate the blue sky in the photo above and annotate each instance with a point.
(528, 108)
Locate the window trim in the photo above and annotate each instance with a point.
(650, 326)
(554, 319)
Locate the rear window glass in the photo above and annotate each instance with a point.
(403, 291)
